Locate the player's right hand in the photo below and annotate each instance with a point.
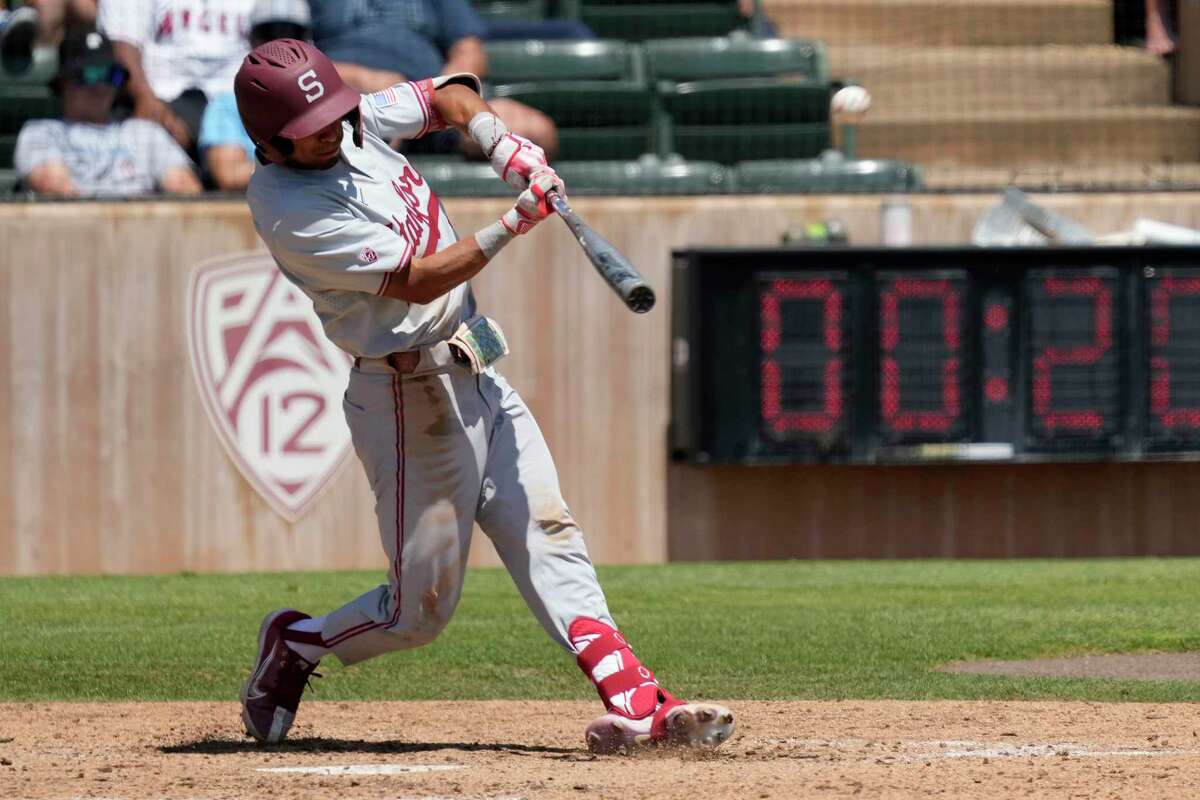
(515, 159)
(532, 206)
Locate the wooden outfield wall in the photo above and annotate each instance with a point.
(108, 463)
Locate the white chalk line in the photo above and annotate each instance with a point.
(958, 748)
(363, 769)
(967, 749)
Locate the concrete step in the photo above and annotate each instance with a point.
(952, 79)
(1116, 177)
(945, 22)
(1015, 139)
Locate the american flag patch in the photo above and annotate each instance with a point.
(387, 97)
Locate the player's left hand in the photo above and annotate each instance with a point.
(532, 206)
(515, 158)
(556, 184)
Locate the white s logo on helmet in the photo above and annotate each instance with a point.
(313, 89)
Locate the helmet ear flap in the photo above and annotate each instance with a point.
(276, 151)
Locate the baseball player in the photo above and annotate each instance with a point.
(444, 439)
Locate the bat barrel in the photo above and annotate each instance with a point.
(613, 267)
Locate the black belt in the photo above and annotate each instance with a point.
(404, 362)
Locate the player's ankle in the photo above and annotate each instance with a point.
(625, 686)
(304, 638)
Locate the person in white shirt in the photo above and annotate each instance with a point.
(178, 53)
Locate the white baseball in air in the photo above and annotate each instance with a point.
(851, 100)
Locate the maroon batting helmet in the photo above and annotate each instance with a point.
(287, 89)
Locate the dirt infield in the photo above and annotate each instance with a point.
(196, 751)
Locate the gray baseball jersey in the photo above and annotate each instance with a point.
(443, 447)
(343, 233)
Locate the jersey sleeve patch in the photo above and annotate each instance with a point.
(385, 98)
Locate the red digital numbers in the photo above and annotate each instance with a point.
(799, 360)
(1166, 346)
(1055, 415)
(932, 362)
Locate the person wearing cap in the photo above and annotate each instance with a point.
(226, 151)
(86, 153)
(179, 54)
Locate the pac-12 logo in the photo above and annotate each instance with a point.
(271, 382)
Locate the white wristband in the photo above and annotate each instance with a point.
(492, 238)
(487, 129)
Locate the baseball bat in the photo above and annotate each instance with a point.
(616, 270)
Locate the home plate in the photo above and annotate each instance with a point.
(364, 769)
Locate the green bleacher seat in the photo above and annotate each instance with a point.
(692, 59)
(8, 144)
(734, 98)
(639, 21)
(453, 177)
(512, 10)
(594, 91)
(537, 60)
(751, 101)
(646, 176)
(729, 144)
(744, 118)
(20, 102)
(608, 143)
(826, 176)
(596, 120)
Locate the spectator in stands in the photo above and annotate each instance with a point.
(756, 19)
(226, 151)
(39, 22)
(520, 30)
(18, 31)
(86, 154)
(1158, 30)
(377, 43)
(179, 53)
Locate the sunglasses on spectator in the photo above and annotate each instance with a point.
(99, 74)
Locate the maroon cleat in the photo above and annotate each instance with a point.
(272, 692)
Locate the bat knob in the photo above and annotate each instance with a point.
(641, 299)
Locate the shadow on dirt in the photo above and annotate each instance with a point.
(219, 746)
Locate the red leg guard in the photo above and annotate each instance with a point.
(625, 686)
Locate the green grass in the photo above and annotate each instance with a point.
(763, 630)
